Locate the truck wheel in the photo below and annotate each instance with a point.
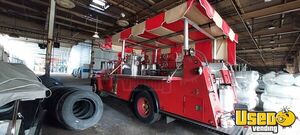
(143, 108)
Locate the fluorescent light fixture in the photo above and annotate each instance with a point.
(272, 41)
(268, 0)
(100, 2)
(94, 6)
(271, 27)
(106, 7)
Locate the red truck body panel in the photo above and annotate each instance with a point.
(191, 96)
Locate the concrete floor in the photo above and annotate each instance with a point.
(118, 119)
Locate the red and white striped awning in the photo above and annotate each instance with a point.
(172, 21)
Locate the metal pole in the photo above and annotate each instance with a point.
(186, 34)
(248, 31)
(92, 59)
(122, 55)
(155, 56)
(123, 49)
(214, 49)
(11, 130)
(50, 38)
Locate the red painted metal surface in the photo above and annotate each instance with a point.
(231, 51)
(193, 96)
(226, 77)
(205, 47)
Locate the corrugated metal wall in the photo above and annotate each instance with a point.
(103, 56)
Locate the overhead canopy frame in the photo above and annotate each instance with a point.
(166, 29)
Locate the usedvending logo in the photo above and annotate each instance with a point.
(265, 121)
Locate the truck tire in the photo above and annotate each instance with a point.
(143, 108)
(58, 102)
(57, 93)
(79, 110)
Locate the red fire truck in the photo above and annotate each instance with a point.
(183, 68)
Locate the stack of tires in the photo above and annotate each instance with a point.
(246, 88)
(73, 108)
(281, 90)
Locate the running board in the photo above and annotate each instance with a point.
(169, 119)
(236, 130)
(110, 94)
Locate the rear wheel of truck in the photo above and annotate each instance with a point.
(143, 108)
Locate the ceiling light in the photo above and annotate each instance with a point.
(100, 8)
(122, 21)
(268, 0)
(123, 15)
(96, 32)
(66, 3)
(106, 7)
(271, 27)
(100, 2)
(94, 6)
(96, 35)
(272, 41)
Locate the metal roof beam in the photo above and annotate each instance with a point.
(267, 45)
(151, 2)
(270, 11)
(277, 49)
(96, 10)
(266, 32)
(121, 6)
(74, 13)
(44, 19)
(291, 49)
(57, 16)
(248, 30)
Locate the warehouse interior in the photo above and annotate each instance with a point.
(73, 43)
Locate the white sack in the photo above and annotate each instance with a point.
(247, 76)
(297, 80)
(277, 106)
(285, 79)
(269, 78)
(227, 99)
(242, 94)
(283, 91)
(246, 88)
